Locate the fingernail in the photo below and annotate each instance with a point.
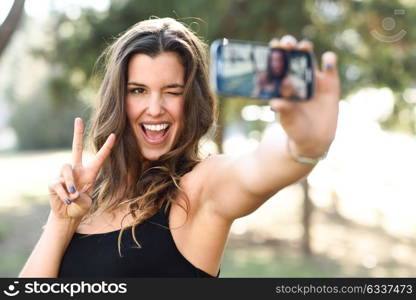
(68, 201)
(329, 66)
(72, 189)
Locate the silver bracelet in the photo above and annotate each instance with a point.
(302, 159)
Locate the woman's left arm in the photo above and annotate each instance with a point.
(241, 184)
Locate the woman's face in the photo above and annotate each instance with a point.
(155, 101)
(276, 62)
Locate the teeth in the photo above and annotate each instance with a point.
(155, 127)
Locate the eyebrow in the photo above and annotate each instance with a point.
(169, 86)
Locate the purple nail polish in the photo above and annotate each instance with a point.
(329, 66)
(72, 189)
(68, 201)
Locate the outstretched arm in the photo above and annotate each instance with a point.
(241, 184)
(45, 258)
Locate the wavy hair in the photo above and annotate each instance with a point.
(270, 73)
(126, 177)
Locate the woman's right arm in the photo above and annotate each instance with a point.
(68, 206)
(70, 200)
(46, 257)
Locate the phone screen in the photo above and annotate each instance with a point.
(254, 70)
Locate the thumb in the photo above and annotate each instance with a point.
(78, 209)
(329, 62)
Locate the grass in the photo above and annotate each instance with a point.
(20, 229)
(11, 263)
(239, 260)
(281, 262)
(341, 249)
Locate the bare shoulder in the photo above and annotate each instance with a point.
(198, 221)
(212, 162)
(225, 186)
(197, 183)
(209, 182)
(200, 214)
(209, 170)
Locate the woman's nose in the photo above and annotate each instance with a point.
(155, 105)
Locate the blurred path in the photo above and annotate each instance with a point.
(28, 173)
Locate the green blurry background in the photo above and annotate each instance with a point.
(353, 216)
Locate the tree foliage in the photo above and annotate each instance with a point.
(10, 24)
(346, 27)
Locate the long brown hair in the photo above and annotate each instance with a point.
(124, 179)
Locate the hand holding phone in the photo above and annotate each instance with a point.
(309, 125)
(255, 70)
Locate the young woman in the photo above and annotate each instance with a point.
(147, 205)
(268, 84)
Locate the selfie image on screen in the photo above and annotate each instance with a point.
(258, 71)
(268, 83)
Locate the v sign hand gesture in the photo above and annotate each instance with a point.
(70, 193)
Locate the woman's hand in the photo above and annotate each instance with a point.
(70, 193)
(311, 125)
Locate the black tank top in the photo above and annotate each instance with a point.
(96, 255)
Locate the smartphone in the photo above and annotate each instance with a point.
(255, 70)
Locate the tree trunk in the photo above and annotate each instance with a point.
(307, 209)
(219, 132)
(10, 23)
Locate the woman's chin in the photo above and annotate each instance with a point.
(153, 155)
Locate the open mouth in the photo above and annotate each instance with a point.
(155, 133)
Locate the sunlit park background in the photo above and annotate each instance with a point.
(354, 215)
